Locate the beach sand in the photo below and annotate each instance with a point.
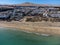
(38, 27)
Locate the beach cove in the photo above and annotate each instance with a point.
(27, 33)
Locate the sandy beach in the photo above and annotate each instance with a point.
(38, 27)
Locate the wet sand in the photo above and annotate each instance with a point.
(38, 27)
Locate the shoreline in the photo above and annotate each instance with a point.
(35, 27)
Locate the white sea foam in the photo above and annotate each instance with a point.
(45, 34)
(27, 32)
(37, 33)
(1, 27)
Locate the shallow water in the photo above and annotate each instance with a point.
(15, 37)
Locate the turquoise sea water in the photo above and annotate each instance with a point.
(15, 37)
